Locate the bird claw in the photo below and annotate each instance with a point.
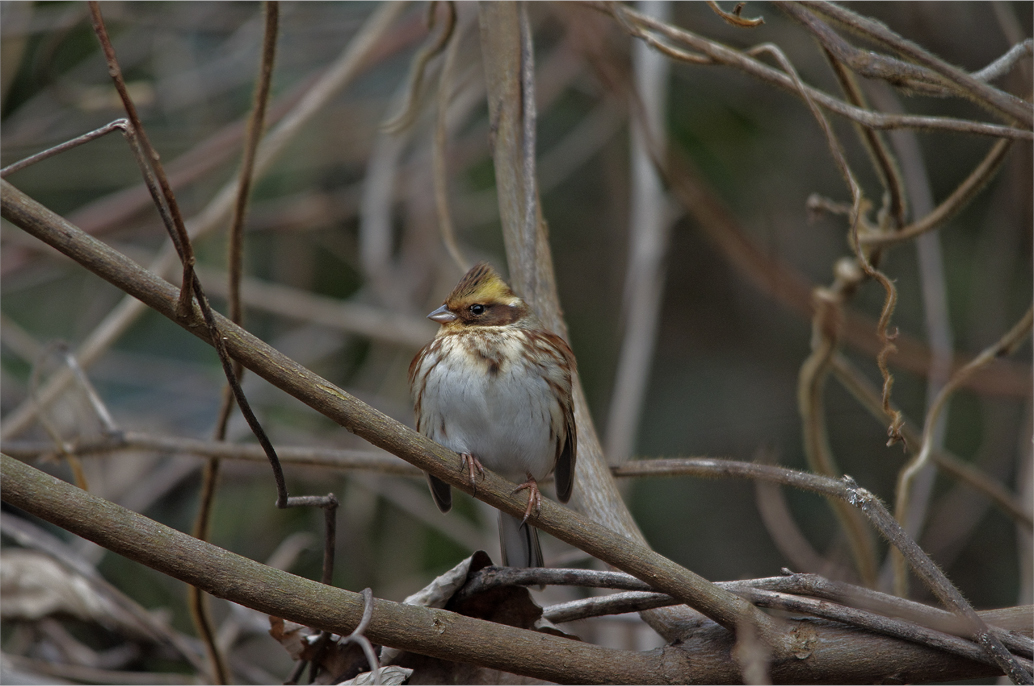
(473, 467)
(534, 497)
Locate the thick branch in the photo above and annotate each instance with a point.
(427, 631)
(367, 423)
(827, 652)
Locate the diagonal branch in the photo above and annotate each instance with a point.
(582, 532)
(167, 201)
(827, 651)
(981, 93)
(710, 52)
(224, 574)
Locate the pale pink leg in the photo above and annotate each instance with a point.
(534, 497)
(473, 467)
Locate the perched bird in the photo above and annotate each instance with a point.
(495, 386)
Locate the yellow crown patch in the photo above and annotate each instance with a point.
(483, 283)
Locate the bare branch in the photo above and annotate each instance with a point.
(735, 17)
(338, 75)
(271, 591)
(1004, 64)
(117, 125)
(332, 458)
(307, 602)
(378, 429)
(167, 201)
(846, 490)
(404, 119)
(710, 52)
(951, 205)
(1002, 347)
(981, 93)
(869, 396)
(438, 150)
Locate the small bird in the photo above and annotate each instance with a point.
(495, 386)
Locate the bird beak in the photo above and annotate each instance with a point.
(442, 315)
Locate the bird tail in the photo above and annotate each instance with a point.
(519, 543)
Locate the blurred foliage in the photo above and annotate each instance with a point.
(724, 376)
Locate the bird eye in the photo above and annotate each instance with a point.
(477, 309)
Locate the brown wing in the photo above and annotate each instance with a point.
(567, 441)
(440, 491)
(565, 463)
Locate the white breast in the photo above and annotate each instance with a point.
(485, 401)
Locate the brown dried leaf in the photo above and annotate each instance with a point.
(510, 605)
(335, 661)
(297, 639)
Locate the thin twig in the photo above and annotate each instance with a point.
(440, 176)
(890, 302)
(404, 119)
(107, 423)
(333, 458)
(933, 289)
(847, 595)
(191, 283)
(339, 74)
(529, 180)
(710, 53)
(177, 230)
(825, 330)
(100, 410)
(48, 427)
(253, 134)
(882, 157)
(855, 604)
(1004, 64)
(810, 400)
(937, 582)
(358, 636)
(871, 621)
(868, 63)
(117, 125)
(636, 601)
(735, 17)
(649, 226)
(197, 600)
(1002, 347)
(950, 206)
(888, 605)
(869, 396)
(981, 93)
(880, 518)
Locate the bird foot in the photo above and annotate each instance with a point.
(473, 467)
(534, 497)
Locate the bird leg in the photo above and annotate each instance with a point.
(534, 497)
(473, 467)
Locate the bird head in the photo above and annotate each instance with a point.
(481, 298)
